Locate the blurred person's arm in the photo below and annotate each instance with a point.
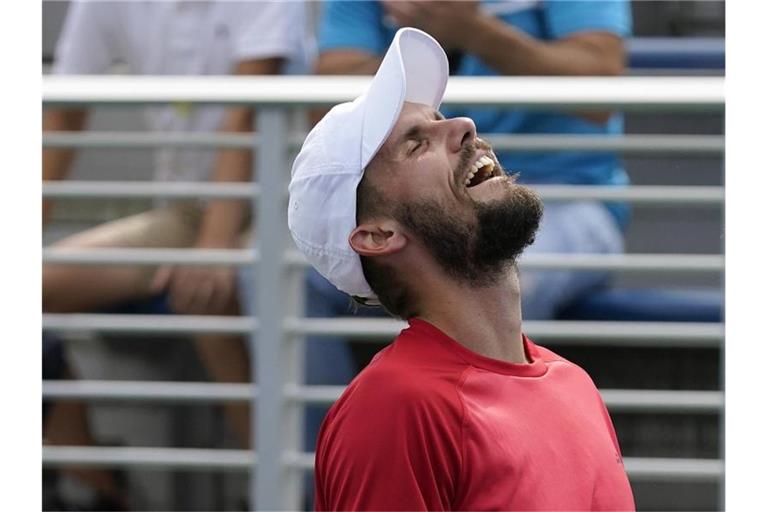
(506, 49)
(343, 62)
(201, 289)
(223, 219)
(596, 50)
(347, 62)
(264, 38)
(57, 162)
(81, 49)
(268, 35)
(350, 41)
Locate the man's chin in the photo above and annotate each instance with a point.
(507, 225)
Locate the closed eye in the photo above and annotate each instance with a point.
(418, 144)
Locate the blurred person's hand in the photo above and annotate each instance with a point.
(197, 290)
(47, 209)
(450, 22)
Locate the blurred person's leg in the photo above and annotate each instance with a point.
(225, 358)
(72, 288)
(66, 423)
(567, 228)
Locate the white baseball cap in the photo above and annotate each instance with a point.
(323, 189)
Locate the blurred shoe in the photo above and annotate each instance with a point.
(65, 493)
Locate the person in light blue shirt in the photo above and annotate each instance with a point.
(524, 37)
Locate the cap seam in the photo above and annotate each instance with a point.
(322, 250)
(355, 170)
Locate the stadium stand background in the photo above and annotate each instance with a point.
(665, 229)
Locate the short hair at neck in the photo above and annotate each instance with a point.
(393, 294)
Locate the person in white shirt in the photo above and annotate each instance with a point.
(171, 38)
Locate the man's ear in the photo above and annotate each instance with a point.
(377, 238)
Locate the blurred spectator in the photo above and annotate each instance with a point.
(169, 38)
(493, 38)
(67, 423)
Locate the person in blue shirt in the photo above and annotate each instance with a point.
(524, 37)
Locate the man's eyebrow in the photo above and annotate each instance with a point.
(416, 130)
(412, 133)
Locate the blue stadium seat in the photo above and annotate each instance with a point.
(676, 53)
(648, 304)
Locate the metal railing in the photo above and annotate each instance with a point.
(638, 194)
(639, 144)
(624, 334)
(669, 94)
(278, 329)
(617, 400)
(668, 469)
(692, 263)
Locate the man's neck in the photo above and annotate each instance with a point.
(486, 320)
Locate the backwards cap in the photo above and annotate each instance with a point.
(323, 190)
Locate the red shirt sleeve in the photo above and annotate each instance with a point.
(389, 445)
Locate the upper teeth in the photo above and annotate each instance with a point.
(479, 164)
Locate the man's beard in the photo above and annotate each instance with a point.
(480, 252)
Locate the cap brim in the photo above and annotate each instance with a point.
(415, 69)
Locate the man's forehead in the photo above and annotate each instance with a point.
(414, 113)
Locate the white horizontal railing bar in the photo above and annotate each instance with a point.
(675, 72)
(239, 460)
(591, 333)
(626, 92)
(314, 394)
(378, 329)
(657, 93)
(638, 194)
(638, 468)
(149, 324)
(694, 144)
(624, 262)
(303, 460)
(688, 334)
(678, 263)
(148, 391)
(663, 401)
(666, 469)
(141, 189)
(150, 256)
(149, 457)
(618, 400)
(124, 139)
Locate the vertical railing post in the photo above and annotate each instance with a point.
(721, 352)
(275, 358)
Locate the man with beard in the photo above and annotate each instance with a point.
(393, 203)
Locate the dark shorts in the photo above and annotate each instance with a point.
(54, 363)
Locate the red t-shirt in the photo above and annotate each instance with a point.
(431, 425)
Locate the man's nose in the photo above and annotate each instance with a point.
(461, 130)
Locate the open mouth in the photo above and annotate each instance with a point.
(482, 170)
